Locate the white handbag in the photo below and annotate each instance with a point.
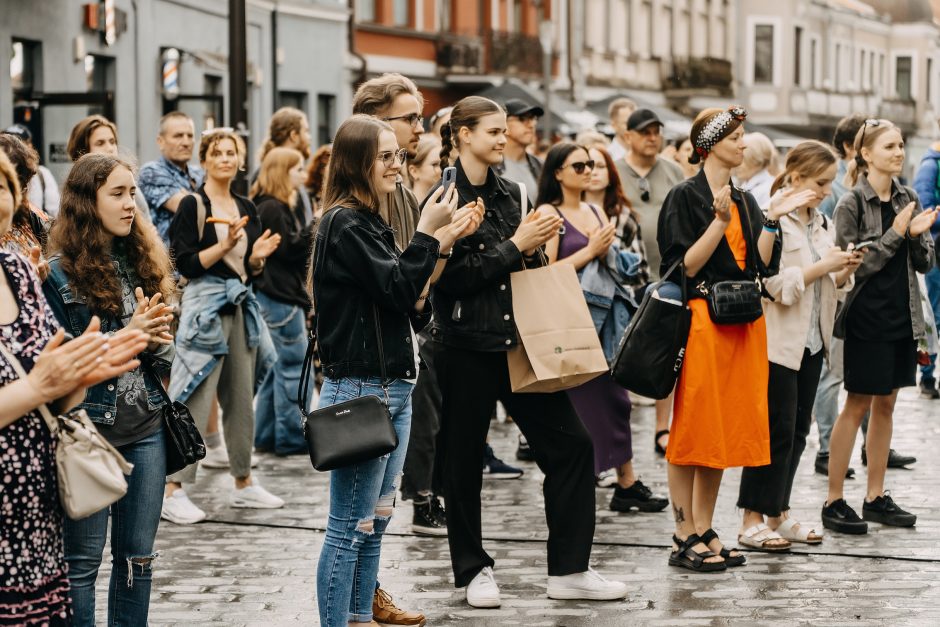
(90, 471)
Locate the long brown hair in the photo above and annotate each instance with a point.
(807, 159)
(349, 175)
(85, 247)
(614, 198)
(467, 113)
(81, 135)
(316, 170)
(274, 176)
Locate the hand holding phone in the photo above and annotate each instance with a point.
(863, 245)
(449, 177)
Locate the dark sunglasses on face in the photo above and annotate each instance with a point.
(578, 166)
(644, 185)
(388, 157)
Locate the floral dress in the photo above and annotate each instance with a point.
(34, 587)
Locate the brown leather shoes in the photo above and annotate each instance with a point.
(385, 612)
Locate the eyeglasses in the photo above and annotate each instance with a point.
(388, 157)
(414, 119)
(644, 185)
(869, 122)
(578, 166)
(218, 129)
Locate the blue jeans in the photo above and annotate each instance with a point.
(361, 501)
(134, 521)
(278, 425)
(932, 279)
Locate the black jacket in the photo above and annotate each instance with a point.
(685, 215)
(473, 298)
(285, 274)
(358, 269)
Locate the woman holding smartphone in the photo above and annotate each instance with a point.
(881, 320)
(362, 286)
(474, 327)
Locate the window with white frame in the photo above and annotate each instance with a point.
(763, 53)
(903, 77)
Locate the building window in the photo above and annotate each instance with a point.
(929, 80)
(797, 56)
(99, 73)
(326, 110)
(400, 13)
(295, 99)
(837, 67)
(813, 55)
(365, 10)
(517, 16)
(25, 67)
(763, 53)
(902, 78)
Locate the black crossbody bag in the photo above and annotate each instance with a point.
(352, 431)
(182, 440)
(738, 301)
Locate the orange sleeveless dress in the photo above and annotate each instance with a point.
(720, 417)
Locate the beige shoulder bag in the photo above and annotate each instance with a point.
(90, 471)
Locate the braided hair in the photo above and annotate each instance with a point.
(466, 113)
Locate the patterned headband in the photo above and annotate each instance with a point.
(718, 128)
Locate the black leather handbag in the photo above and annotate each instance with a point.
(736, 302)
(652, 349)
(183, 442)
(353, 431)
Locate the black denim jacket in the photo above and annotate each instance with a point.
(358, 269)
(473, 298)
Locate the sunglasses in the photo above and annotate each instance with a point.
(579, 166)
(218, 129)
(644, 185)
(388, 157)
(874, 122)
(414, 119)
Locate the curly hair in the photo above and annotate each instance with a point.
(86, 248)
(316, 170)
(8, 172)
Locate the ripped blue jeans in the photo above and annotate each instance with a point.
(362, 498)
(134, 520)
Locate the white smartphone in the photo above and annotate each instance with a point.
(865, 244)
(449, 177)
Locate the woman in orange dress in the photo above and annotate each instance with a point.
(720, 417)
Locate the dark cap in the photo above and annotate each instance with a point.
(18, 130)
(520, 108)
(641, 118)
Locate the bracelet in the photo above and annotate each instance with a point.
(446, 255)
(774, 224)
(771, 230)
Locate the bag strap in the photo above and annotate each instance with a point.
(680, 263)
(523, 202)
(51, 422)
(200, 215)
(748, 234)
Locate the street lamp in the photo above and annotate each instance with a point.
(547, 39)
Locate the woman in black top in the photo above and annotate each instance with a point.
(880, 320)
(282, 294)
(219, 248)
(475, 327)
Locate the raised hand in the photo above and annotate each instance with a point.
(903, 220)
(39, 263)
(788, 200)
(600, 239)
(922, 222)
(438, 210)
(722, 204)
(265, 245)
(535, 230)
(235, 233)
(153, 318)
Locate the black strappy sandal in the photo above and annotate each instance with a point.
(660, 450)
(730, 560)
(687, 558)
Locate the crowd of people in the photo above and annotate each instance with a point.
(129, 288)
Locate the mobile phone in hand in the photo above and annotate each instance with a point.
(449, 177)
(865, 244)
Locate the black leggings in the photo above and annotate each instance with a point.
(790, 395)
(471, 382)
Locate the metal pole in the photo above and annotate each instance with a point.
(238, 79)
(546, 39)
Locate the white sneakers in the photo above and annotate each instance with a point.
(177, 508)
(483, 591)
(255, 497)
(215, 458)
(589, 585)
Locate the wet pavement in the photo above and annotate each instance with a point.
(257, 567)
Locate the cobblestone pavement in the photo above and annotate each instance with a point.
(245, 567)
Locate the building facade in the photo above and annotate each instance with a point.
(134, 60)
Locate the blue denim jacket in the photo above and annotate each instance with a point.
(73, 314)
(200, 341)
(608, 300)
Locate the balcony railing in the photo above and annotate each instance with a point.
(459, 55)
(698, 73)
(513, 53)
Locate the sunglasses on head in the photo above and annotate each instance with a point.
(579, 166)
(644, 185)
(388, 157)
(874, 122)
(218, 129)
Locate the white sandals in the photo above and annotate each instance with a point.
(793, 531)
(763, 538)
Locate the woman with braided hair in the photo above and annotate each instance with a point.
(720, 414)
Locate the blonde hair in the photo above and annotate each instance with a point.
(426, 145)
(376, 95)
(211, 139)
(807, 159)
(761, 154)
(274, 176)
(8, 172)
(592, 139)
(866, 137)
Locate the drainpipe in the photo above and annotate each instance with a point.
(137, 73)
(351, 34)
(274, 65)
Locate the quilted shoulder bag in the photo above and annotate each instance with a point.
(738, 301)
(183, 442)
(90, 471)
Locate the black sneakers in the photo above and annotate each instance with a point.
(928, 389)
(822, 466)
(428, 519)
(524, 451)
(637, 496)
(885, 511)
(838, 516)
(895, 459)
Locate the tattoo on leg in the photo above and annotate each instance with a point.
(680, 515)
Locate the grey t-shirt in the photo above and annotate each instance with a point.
(520, 172)
(660, 179)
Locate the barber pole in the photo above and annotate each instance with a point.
(171, 73)
(110, 24)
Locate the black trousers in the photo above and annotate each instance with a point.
(790, 396)
(471, 382)
(423, 466)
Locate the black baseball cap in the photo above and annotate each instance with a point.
(641, 118)
(519, 108)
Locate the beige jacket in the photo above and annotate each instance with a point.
(789, 315)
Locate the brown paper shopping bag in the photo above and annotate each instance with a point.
(558, 345)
